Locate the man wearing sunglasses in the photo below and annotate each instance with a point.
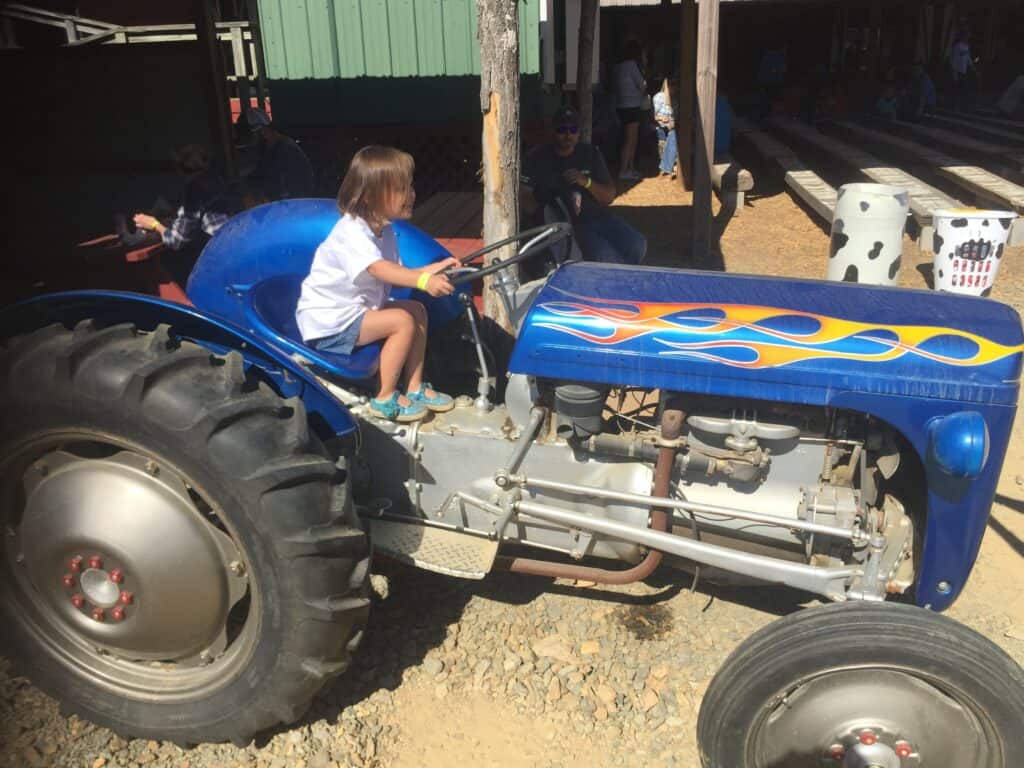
(575, 173)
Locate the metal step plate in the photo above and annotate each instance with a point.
(434, 549)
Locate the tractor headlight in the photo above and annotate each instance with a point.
(959, 443)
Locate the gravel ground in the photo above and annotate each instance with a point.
(523, 672)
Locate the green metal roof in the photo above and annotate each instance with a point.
(324, 39)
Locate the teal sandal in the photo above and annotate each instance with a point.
(437, 402)
(392, 410)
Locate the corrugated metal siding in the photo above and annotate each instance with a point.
(382, 38)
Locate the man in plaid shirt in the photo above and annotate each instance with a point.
(205, 207)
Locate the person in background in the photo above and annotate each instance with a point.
(887, 103)
(630, 95)
(206, 204)
(282, 169)
(771, 76)
(964, 74)
(919, 98)
(665, 118)
(574, 173)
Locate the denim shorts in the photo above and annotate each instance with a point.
(342, 343)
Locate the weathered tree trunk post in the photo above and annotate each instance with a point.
(585, 68)
(498, 35)
(214, 86)
(687, 92)
(704, 128)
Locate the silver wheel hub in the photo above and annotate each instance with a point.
(868, 718)
(117, 549)
(99, 589)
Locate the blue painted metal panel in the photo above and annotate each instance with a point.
(220, 336)
(958, 508)
(792, 340)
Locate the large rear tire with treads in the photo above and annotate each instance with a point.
(181, 560)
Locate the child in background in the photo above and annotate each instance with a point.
(344, 303)
(666, 121)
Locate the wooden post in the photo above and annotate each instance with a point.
(241, 67)
(876, 18)
(704, 126)
(259, 62)
(585, 68)
(687, 92)
(214, 85)
(498, 35)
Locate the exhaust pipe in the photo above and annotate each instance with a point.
(671, 428)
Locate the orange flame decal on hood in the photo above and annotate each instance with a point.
(750, 336)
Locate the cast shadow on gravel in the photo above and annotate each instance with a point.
(1007, 535)
(420, 608)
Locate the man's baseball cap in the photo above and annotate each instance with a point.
(256, 118)
(565, 116)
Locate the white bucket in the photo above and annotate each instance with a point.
(968, 247)
(867, 234)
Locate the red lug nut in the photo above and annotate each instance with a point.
(117, 614)
(126, 597)
(76, 563)
(97, 613)
(903, 749)
(117, 575)
(868, 737)
(78, 601)
(837, 752)
(96, 562)
(69, 580)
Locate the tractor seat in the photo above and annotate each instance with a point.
(270, 312)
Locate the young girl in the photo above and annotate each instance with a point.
(344, 301)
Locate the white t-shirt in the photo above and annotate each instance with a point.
(630, 88)
(339, 288)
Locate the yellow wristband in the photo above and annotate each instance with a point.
(589, 184)
(422, 280)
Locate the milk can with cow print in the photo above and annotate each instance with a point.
(867, 234)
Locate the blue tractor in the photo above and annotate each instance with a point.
(191, 496)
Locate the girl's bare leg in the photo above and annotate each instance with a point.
(418, 351)
(397, 326)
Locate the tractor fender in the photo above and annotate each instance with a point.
(328, 417)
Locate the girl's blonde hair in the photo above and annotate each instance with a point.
(374, 176)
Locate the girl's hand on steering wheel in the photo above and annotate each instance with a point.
(438, 285)
(443, 264)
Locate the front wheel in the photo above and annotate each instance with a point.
(181, 558)
(864, 684)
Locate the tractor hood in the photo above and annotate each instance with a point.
(768, 338)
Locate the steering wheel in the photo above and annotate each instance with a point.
(538, 239)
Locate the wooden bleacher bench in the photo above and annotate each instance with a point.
(1003, 157)
(979, 181)
(731, 181)
(819, 195)
(987, 132)
(994, 118)
(923, 198)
